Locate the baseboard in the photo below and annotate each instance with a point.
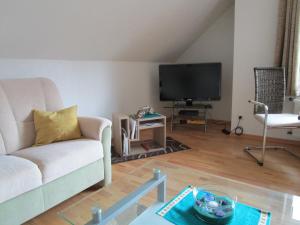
(272, 139)
(252, 136)
(257, 137)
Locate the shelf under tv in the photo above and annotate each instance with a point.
(176, 118)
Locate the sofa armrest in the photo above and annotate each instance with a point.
(92, 127)
(99, 128)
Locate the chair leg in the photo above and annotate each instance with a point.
(248, 151)
(264, 144)
(263, 148)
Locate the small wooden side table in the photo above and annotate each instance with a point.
(136, 145)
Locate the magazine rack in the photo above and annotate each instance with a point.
(127, 136)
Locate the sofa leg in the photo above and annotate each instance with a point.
(96, 186)
(101, 184)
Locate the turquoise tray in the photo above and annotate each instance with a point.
(180, 211)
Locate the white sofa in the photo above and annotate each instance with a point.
(34, 179)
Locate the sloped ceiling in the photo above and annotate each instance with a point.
(128, 30)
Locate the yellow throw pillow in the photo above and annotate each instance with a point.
(56, 126)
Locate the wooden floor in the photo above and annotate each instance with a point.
(214, 153)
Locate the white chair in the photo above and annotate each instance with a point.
(270, 86)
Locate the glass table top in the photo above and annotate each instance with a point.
(285, 208)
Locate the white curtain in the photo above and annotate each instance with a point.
(288, 44)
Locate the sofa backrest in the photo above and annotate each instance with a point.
(18, 98)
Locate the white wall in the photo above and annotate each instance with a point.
(216, 45)
(254, 46)
(97, 87)
(135, 30)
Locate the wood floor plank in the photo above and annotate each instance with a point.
(212, 152)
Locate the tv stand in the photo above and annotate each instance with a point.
(178, 109)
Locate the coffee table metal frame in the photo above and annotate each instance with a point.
(158, 181)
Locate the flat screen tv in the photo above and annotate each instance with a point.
(190, 82)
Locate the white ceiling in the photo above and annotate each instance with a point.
(129, 30)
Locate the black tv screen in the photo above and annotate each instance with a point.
(198, 82)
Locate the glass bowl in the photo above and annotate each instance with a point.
(213, 206)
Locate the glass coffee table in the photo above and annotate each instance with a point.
(134, 199)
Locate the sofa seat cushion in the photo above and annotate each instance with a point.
(58, 159)
(17, 176)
